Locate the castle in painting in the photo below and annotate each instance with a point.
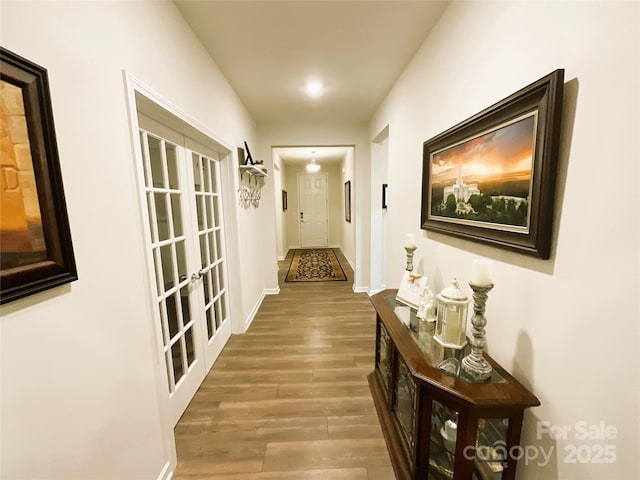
(462, 192)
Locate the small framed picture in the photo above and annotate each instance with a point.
(347, 201)
(411, 286)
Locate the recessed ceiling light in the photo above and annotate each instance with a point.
(314, 88)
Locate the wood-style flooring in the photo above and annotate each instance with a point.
(289, 399)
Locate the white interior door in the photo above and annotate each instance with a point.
(186, 247)
(312, 209)
(212, 269)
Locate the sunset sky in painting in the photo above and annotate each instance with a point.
(503, 151)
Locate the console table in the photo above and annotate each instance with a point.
(440, 425)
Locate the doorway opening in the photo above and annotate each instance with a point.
(299, 226)
(185, 183)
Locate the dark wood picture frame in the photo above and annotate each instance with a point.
(21, 273)
(284, 200)
(347, 201)
(533, 115)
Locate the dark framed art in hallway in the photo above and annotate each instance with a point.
(347, 201)
(35, 239)
(491, 178)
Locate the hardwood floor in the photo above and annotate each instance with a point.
(289, 399)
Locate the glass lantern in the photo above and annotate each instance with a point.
(451, 322)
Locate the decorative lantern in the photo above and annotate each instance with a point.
(451, 322)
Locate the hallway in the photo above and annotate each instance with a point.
(289, 400)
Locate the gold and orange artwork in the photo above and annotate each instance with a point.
(22, 239)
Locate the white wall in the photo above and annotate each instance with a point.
(567, 327)
(378, 240)
(332, 135)
(79, 379)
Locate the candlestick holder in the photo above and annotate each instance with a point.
(474, 364)
(410, 250)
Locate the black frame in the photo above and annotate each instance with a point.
(385, 192)
(59, 266)
(249, 159)
(347, 201)
(544, 97)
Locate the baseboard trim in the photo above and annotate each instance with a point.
(256, 307)
(167, 472)
(357, 289)
(350, 263)
(252, 314)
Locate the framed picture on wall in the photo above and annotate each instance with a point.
(347, 201)
(35, 240)
(284, 200)
(385, 195)
(491, 178)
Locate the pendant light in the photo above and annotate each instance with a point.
(313, 166)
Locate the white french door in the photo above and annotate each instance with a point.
(312, 210)
(186, 247)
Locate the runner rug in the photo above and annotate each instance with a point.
(315, 265)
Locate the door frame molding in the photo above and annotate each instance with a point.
(140, 98)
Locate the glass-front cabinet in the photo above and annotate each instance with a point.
(438, 424)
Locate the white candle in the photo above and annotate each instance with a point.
(481, 274)
(411, 240)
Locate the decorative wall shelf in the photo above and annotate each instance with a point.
(249, 192)
(253, 171)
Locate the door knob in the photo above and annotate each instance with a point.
(197, 276)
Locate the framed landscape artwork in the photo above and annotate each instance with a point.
(35, 242)
(492, 177)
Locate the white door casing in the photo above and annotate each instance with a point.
(312, 210)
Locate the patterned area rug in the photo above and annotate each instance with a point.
(315, 265)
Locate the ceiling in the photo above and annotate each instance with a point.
(322, 155)
(268, 50)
